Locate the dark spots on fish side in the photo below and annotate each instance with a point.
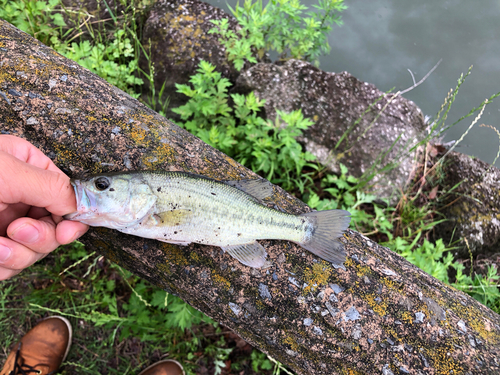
(303, 221)
(111, 189)
(175, 232)
(162, 222)
(165, 235)
(218, 228)
(159, 189)
(239, 234)
(177, 224)
(213, 193)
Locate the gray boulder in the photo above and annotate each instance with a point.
(339, 103)
(176, 33)
(472, 209)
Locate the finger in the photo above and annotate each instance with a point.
(37, 235)
(37, 213)
(11, 213)
(14, 256)
(6, 273)
(26, 152)
(24, 183)
(68, 231)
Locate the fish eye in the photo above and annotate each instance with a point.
(102, 183)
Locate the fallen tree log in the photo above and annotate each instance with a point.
(376, 314)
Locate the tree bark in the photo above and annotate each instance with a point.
(377, 314)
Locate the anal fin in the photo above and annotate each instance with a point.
(251, 254)
(180, 243)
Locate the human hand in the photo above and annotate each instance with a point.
(34, 195)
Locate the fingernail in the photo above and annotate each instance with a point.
(77, 236)
(26, 233)
(5, 253)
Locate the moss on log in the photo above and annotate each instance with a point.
(377, 314)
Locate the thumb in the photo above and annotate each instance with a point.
(25, 183)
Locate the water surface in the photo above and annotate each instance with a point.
(381, 39)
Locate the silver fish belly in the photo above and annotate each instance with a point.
(181, 208)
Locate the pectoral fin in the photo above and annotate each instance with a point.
(251, 254)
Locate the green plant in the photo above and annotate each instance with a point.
(107, 60)
(435, 259)
(264, 146)
(39, 18)
(260, 361)
(280, 26)
(482, 288)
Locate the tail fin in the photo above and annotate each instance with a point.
(328, 226)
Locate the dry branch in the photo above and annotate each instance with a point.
(378, 314)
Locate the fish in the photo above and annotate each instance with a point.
(181, 208)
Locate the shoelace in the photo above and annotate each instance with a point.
(24, 369)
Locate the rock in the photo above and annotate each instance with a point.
(176, 33)
(335, 102)
(474, 213)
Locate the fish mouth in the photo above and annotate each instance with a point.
(85, 202)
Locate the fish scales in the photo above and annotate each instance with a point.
(216, 205)
(181, 208)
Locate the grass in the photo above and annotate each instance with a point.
(122, 323)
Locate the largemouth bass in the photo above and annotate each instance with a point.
(181, 208)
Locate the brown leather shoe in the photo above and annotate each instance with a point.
(41, 350)
(166, 367)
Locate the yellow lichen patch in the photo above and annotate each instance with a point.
(316, 276)
(64, 155)
(234, 164)
(164, 268)
(351, 371)
(479, 326)
(7, 77)
(390, 284)
(161, 154)
(174, 254)
(259, 304)
(194, 256)
(138, 135)
(407, 317)
(349, 263)
(293, 344)
(443, 361)
(380, 307)
(220, 280)
(362, 270)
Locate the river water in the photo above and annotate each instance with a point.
(381, 39)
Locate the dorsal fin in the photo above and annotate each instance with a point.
(257, 188)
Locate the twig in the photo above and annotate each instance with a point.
(412, 76)
(422, 80)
